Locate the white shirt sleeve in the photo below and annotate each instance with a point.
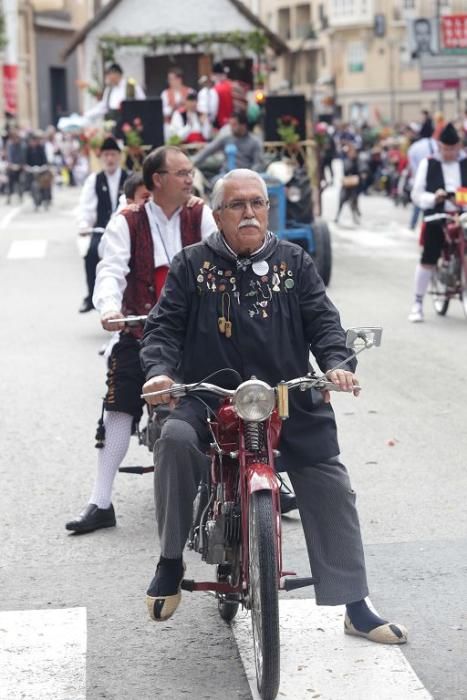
(99, 109)
(177, 127)
(208, 224)
(88, 203)
(166, 108)
(139, 93)
(420, 197)
(114, 267)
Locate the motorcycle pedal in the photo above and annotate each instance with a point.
(291, 584)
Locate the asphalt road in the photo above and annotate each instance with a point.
(404, 441)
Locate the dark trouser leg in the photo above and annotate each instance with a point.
(342, 199)
(178, 468)
(326, 503)
(90, 263)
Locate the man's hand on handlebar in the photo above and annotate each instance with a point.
(345, 380)
(440, 195)
(107, 316)
(158, 384)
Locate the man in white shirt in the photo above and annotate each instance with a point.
(99, 199)
(117, 89)
(208, 99)
(138, 248)
(424, 147)
(436, 178)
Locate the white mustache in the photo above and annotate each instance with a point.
(249, 222)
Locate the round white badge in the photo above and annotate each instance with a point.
(260, 268)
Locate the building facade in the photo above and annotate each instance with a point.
(352, 58)
(46, 79)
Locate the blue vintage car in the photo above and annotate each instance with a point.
(291, 215)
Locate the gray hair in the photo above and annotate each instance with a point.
(217, 198)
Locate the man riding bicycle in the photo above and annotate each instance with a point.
(437, 177)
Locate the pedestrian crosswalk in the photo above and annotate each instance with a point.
(319, 661)
(390, 241)
(43, 656)
(27, 249)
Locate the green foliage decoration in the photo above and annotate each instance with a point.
(255, 41)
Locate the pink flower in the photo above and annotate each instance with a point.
(126, 128)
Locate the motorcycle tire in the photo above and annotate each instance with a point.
(264, 593)
(439, 294)
(323, 250)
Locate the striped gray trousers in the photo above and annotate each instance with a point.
(326, 503)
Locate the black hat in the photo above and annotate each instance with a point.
(449, 135)
(114, 68)
(426, 132)
(219, 68)
(109, 144)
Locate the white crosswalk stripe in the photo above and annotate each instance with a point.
(28, 249)
(392, 241)
(43, 654)
(319, 661)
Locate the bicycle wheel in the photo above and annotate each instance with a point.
(439, 292)
(264, 593)
(464, 288)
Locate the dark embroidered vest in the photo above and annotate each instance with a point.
(435, 180)
(140, 294)
(104, 203)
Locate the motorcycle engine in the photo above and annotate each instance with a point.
(223, 534)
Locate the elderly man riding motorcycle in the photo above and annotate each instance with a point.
(245, 300)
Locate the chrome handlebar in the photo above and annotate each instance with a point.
(177, 391)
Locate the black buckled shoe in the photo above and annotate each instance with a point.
(86, 306)
(288, 500)
(93, 518)
(163, 595)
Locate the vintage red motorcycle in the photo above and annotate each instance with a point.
(236, 518)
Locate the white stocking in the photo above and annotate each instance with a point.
(117, 440)
(422, 280)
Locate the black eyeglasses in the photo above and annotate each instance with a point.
(238, 205)
(182, 174)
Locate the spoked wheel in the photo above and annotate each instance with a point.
(464, 287)
(228, 603)
(439, 292)
(264, 593)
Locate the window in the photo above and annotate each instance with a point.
(284, 23)
(356, 55)
(303, 21)
(408, 4)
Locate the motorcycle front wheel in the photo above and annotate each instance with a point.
(264, 593)
(439, 293)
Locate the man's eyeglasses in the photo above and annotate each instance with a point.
(239, 205)
(182, 174)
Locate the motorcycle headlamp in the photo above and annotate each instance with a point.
(293, 194)
(254, 400)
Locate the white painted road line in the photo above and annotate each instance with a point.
(8, 218)
(43, 654)
(319, 661)
(24, 250)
